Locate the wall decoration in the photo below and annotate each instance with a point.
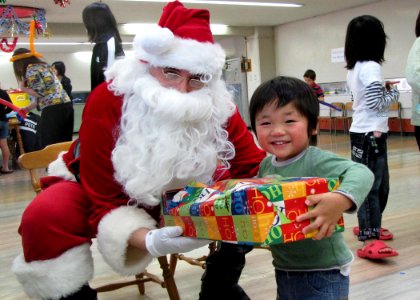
(11, 22)
(5, 46)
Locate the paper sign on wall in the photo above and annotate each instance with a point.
(337, 55)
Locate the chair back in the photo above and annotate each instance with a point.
(40, 160)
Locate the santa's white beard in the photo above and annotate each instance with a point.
(169, 138)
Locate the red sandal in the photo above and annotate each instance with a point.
(385, 233)
(376, 250)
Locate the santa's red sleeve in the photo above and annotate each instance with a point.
(248, 155)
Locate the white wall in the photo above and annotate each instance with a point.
(260, 50)
(253, 52)
(233, 46)
(308, 43)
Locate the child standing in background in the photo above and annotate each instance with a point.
(364, 53)
(284, 115)
(310, 77)
(102, 30)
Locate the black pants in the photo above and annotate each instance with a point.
(372, 152)
(223, 269)
(56, 124)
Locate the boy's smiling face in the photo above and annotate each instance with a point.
(282, 131)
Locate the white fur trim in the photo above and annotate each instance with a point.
(115, 230)
(58, 168)
(57, 277)
(184, 54)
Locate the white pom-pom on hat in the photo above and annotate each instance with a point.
(156, 40)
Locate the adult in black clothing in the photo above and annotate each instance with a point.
(102, 30)
(59, 68)
(4, 133)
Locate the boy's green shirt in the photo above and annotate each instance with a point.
(355, 181)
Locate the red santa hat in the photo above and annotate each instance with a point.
(182, 40)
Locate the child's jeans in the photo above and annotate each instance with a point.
(315, 285)
(372, 152)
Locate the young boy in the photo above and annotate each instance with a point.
(284, 116)
(310, 77)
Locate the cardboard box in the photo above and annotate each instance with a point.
(253, 211)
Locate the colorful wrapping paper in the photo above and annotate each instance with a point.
(247, 211)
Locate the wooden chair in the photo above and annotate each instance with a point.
(40, 159)
(168, 281)
(336, 115)
(394, 112)
(199, 261)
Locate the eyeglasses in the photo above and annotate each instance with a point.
(196, 82)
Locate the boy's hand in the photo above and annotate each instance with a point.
(328, 210)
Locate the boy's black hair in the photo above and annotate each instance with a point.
(283, 90)
(417, 28)
(310, 74)
(365, 41)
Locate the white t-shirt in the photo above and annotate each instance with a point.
(364, 118)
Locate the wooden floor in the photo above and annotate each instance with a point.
(396, 278)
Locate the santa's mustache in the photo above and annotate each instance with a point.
(169, 102)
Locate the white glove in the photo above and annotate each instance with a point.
(167, 240)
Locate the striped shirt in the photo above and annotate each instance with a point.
(371, 99)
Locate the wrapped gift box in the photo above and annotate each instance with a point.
(248, 211)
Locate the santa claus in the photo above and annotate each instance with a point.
(163, 118)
